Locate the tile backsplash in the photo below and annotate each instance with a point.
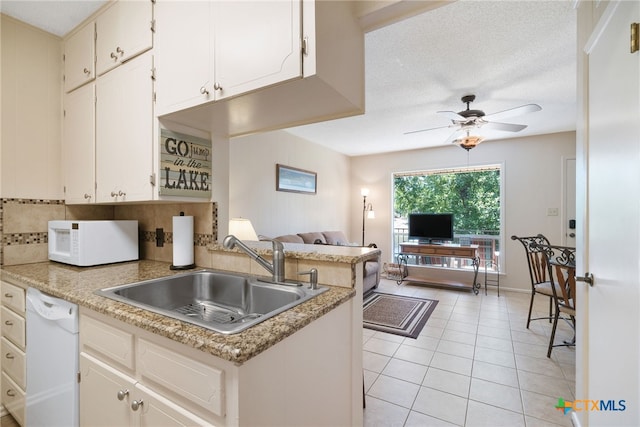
(24, 239)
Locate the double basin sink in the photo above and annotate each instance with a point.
(223, 302)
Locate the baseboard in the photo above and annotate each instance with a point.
(491, 287)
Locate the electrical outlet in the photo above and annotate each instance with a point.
(159, 237)
(552, 211)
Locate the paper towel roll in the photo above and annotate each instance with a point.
(182, 242)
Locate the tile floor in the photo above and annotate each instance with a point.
(474, 364)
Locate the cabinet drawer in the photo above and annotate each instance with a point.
(105, 340)
(13, 398)
(12, 327)
(13, 297)
(188, 380)
(13, 362)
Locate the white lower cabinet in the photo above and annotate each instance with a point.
(131, 376)
(126, 380)
(101, 389)
(110, 398)
(13, 350)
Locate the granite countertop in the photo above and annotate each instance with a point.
(77, 285)
(333, 253)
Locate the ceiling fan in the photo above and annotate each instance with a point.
(469, 119)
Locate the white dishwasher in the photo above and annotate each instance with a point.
(52, 361)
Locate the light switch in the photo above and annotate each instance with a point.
(552, 211)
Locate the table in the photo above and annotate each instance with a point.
(488, 279)
(419, 250)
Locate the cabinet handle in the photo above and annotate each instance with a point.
(136, 404)
(113, 56)
(11, 393)
(122, 394)
(121, 193)
(114, 194)
(8, 322)
(9, 356)
(8, 295)
(87, 71)
(204, 91)
(119, 50)
(216, 86)
(87, 196)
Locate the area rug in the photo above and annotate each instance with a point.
(396, 314)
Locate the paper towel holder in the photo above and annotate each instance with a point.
(181, 267)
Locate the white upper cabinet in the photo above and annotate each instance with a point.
(78, 145)
(124, 31)
(257, 44)
(229, 48)
(79, 57)
(183, 54)
(262, 77)
(124, 132)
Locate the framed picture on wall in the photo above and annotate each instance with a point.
(295, 180)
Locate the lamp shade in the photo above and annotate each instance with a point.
(364, 192)
(242, 229)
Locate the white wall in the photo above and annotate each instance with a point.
(532, 168)
(31, 121)
(252, 185)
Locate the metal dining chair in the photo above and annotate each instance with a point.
(561, 263)
(538, 272)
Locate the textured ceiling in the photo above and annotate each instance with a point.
(54, 16)
(507, 53)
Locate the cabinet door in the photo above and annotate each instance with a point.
(257, 44)
(183, 54)
(101, 390)
(79, 56)
(13, 398)
(124, 132)
(78, 145)
(159, 411)
(123, 32)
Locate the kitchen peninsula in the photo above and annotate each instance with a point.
(303, 366)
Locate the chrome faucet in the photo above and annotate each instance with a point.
(277, 269)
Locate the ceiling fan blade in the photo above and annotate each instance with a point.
(452, 115)
(509, 127)
(511, 112)
(424, 130)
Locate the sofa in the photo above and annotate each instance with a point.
(371, 277)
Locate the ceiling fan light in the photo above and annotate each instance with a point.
(468, 142)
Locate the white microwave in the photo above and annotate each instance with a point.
(86, 243)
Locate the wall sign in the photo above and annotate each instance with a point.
(185, 165)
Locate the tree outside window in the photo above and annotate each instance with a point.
(471, 194)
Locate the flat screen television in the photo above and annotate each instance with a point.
(430, 227)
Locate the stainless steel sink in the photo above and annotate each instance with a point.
(223, 302)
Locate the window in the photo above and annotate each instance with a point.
(472, 194)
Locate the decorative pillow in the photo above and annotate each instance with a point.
(289, 238)
(311, 238)
(335, 238)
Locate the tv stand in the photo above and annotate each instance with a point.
(419, 250)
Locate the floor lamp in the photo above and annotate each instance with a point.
(367, 210)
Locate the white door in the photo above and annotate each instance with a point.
(608, 367)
